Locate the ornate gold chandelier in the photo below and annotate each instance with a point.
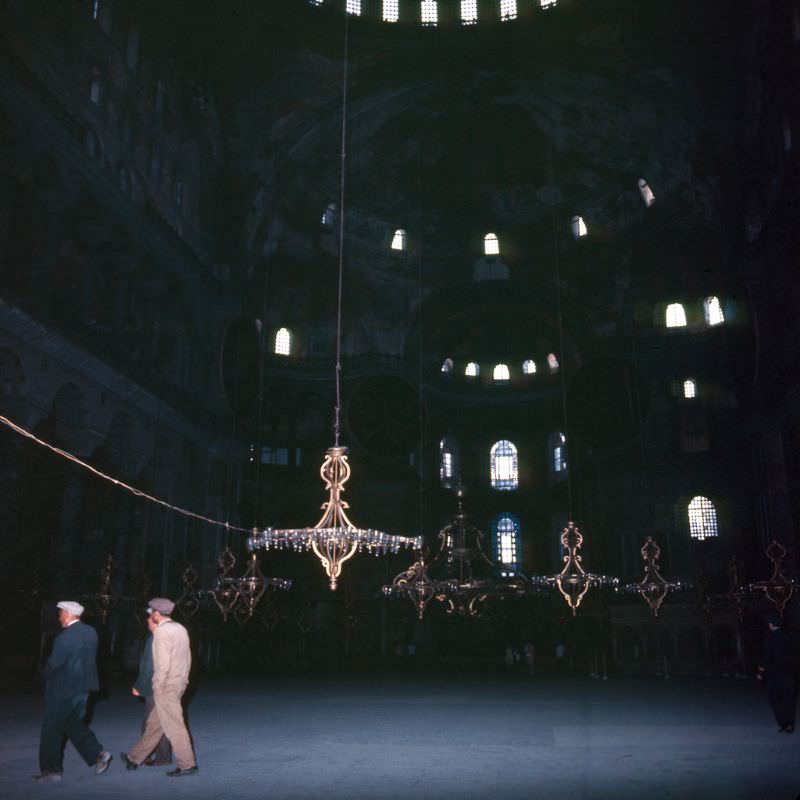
(334, 539)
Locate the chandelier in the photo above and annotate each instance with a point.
(573, 582)
(334, 539)
(654, 588)
(461, 575)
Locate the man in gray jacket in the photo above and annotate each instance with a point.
(70, 675)
(172, 660)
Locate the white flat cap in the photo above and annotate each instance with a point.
(71, 607)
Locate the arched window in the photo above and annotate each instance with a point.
(528, 367)
(96, 91)
(447, 365)
(646, 192)
(689, 389)
(429, 12)
(558, 452)
(506, 541)
(675, 316)
(283, 342)
(702, 519)
(491, 245)
(501, 372)
(508, 9)
(469, 12)
(472, 370)
(329, 215)
(448, 462)
(579, 228)
(552, 362)
(504, 466)
(713, 311)
(399, 240)
(354, 7)
(391, 10)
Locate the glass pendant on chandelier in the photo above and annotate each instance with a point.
(335, 539)
(461, 575)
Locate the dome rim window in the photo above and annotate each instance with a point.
(491, 245)
(675, 316)
(283, 342)
(712, 311)
(500, 373)
(472, 370)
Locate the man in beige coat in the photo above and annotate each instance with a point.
(172, 659)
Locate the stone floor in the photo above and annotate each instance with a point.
(433, 737)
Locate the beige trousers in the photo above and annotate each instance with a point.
(166, 719)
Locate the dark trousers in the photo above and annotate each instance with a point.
(163, 752)
(63, 719)
(782, 698)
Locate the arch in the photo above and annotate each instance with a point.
(579, 229)
(689, 389)
(505, 536)
(399, 240)
(646, 192)
(675, 316)
(702, 518)
(429, 13)
(500, 373)
(472, 370)
(712, 310)
(508, 10)
(552, 362)
(447, 366)
(529, 367)
(469, 12)
(491, 245)
(504, 466)
(391, 10)
(558, 452)
(283, 342)
(448, 461)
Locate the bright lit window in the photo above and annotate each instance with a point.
(646, 192)
(508, 9)
(506, 531)
(391, 10)
(548, 3)
(354, 7)
(329, 215)
(448, 462)
(552, 362)
(316, 2)
(469, 12)
(501, 372)
(689, 389)
(676, 316)
(447, 365)
(558, 448)
(713, 311)
(503, 466)
(429, 12)
(283, 342)
(579, 228)
(472, 370)
(491, 245)
(702, 519)
(528, 367)
(399, 240)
